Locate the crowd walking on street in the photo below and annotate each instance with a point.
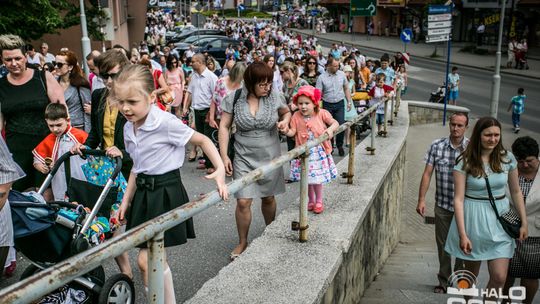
(155, 108)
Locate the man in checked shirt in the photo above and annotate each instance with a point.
(441, 157)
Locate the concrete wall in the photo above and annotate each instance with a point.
(421, 112)
(347, 243)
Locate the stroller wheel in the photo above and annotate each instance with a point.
(118, 289)
(29, 271)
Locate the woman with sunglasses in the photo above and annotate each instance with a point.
(76, 89)
(311, 71)
(107, 132)
(24, 95)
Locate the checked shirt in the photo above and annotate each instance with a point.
(442, 156)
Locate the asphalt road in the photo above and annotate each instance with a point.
(202, 258)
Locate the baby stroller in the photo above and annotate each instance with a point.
(438, 95)
(61, 230)
(360, 101)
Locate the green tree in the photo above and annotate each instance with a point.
(31, 19)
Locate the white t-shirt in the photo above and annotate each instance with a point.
(158, 146)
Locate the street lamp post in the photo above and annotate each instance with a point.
(85, 41)
(496, 84)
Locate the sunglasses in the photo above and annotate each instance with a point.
(59, 64)
(311, 62)
(106, 76)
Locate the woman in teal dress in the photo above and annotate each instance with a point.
(475, 233)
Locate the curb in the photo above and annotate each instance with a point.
(425, 58)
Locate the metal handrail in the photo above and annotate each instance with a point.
(152, 231)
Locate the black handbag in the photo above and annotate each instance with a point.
(230, 148)
(510, 220)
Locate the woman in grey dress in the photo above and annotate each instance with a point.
(258, 113)
(9, 172)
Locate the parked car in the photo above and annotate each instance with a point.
(178, 30)
(200, 32)
(193, 39)
(215, 46)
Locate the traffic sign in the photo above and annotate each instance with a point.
(314, 12)
(439, 24)
(241, 7)
(438, 38)
(439, 31)
(406, 35)
(440, 17)
(439, 9)
(363, 8)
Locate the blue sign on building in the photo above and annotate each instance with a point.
(406, 35)
(314, 12)
(241, 7)
(439, 9)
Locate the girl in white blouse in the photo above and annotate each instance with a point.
(154, 186)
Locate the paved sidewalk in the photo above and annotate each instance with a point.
(409, 274)
(422, 49)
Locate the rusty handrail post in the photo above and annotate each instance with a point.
(352, 145)
(373, 118)
(385, 125)
(391, 119)
(304, 164)
(156, 258)
(398, 100)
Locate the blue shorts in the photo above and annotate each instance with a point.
(380, 119)
(453, 95)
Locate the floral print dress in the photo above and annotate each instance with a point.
(321, 166)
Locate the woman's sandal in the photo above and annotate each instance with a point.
(234, 256)
(439, 289)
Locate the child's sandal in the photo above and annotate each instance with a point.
(319, 208)
(310, 206)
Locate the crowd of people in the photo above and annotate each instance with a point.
(149, 103)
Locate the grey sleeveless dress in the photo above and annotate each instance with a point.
(256, 142)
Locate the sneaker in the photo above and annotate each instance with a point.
(516, 130)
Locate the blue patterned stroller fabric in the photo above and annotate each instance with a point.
(97, 171)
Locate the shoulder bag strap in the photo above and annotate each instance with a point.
(491, 199)
(43, 79)
(82, 105)
(236, 97)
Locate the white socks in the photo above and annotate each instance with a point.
(168, 285)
